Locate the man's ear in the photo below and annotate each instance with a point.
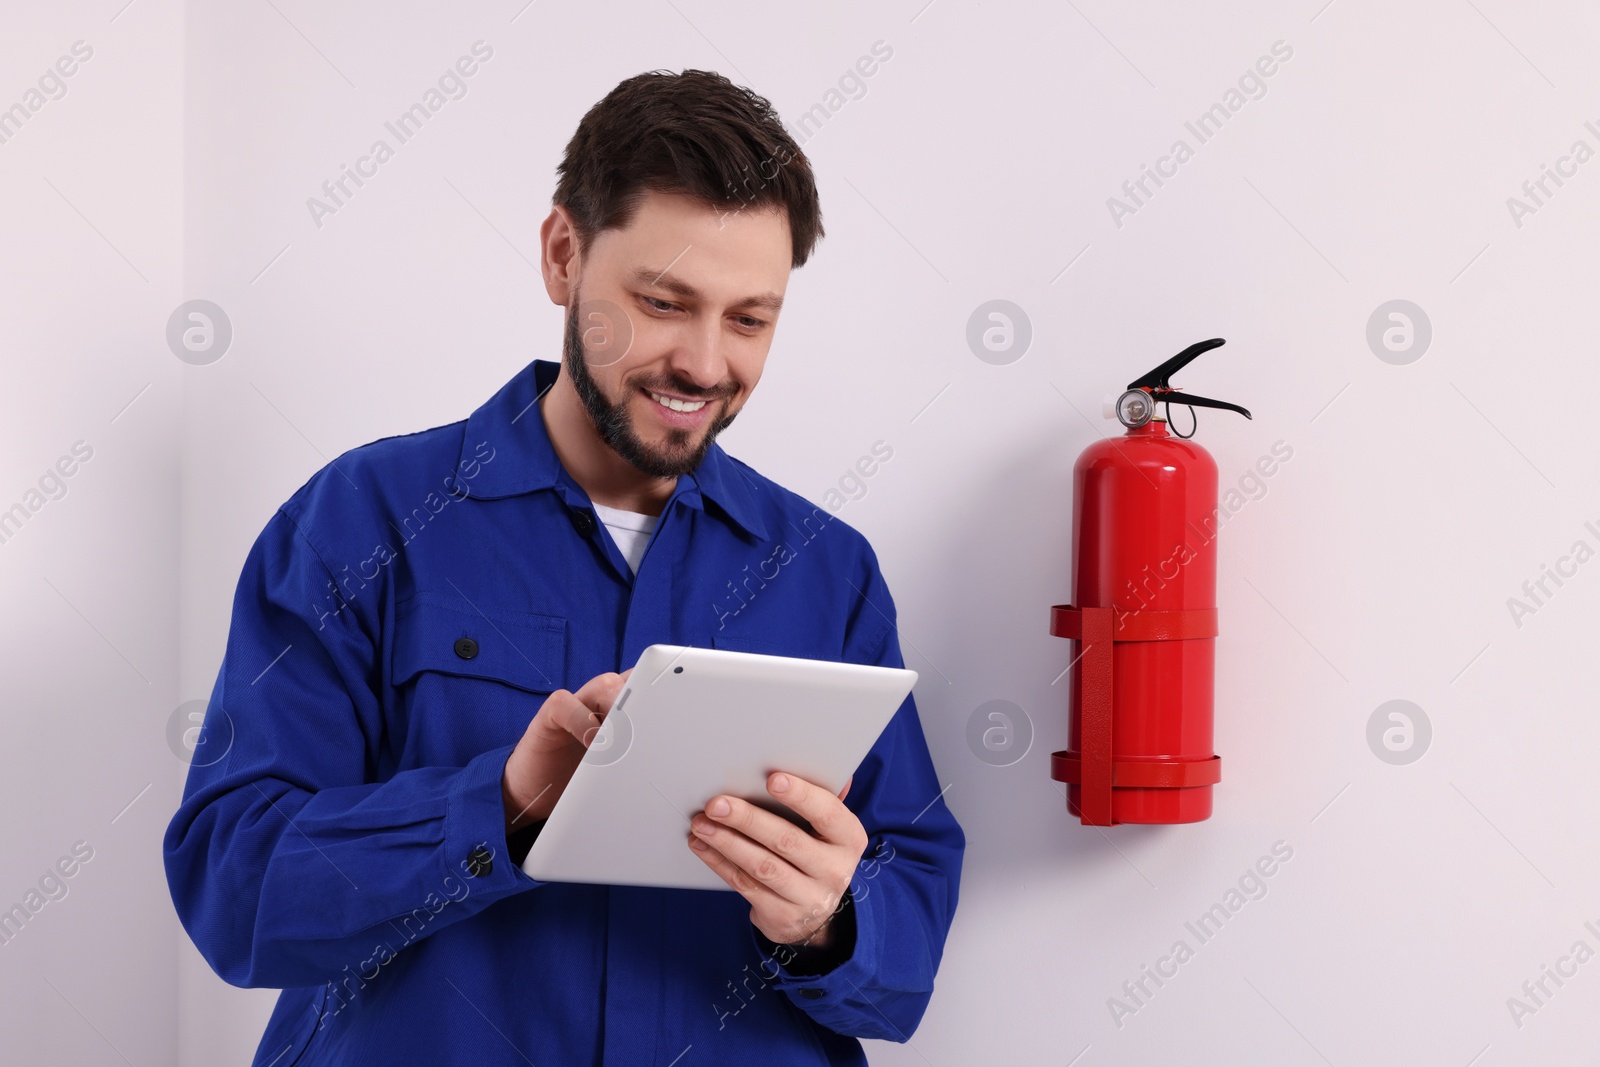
(559, 259)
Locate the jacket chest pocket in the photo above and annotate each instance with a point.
(466, 680)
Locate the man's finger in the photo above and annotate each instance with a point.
(761, 897)
(572, 717)
(832, 821)
(600, 692)
(754, 861)
(769, 830)
(806, 921)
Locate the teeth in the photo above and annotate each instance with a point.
(677, 405)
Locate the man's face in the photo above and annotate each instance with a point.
(681, 303)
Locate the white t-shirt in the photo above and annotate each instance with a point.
(630, 530)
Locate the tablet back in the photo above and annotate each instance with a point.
(695, 722)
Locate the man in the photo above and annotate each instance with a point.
(428, 632)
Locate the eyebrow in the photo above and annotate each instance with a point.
(658, 278)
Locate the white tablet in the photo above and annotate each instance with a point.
(692, 723)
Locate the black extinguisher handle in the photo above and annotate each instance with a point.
(1178, 396)
(1158, 381)
(1159, 378)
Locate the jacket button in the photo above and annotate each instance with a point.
(480, 862)
(583, 522)
(811, 993)
(466, 647)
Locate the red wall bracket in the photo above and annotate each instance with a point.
(1093, 767)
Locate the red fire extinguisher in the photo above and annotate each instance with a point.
(1144, 615)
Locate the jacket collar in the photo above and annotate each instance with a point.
(523, 459)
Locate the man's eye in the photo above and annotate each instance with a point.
(658, 305)
(751, 324)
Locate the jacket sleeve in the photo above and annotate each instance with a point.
(286, 861)
(903, 894)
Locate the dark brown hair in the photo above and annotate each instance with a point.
(694, 133)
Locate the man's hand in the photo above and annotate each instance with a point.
(793, 880)
(552, 747)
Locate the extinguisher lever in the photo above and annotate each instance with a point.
(1159, 378)
(1178, 396)
(1158, 382)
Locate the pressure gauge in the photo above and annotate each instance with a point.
(1135, 408)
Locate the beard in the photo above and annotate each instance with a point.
(680, 455)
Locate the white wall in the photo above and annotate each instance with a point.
(1375, 565)
(91, 175)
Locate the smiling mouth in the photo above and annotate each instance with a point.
(672, 403)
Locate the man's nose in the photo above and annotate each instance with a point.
(699, 358)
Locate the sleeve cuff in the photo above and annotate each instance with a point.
(476, 847)
(860, 926)
(812, 961)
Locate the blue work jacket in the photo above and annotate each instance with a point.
(342, 831)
